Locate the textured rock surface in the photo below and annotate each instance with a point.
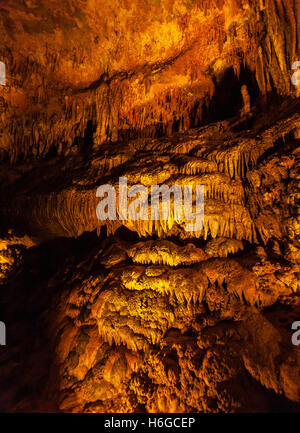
(137, 316)
(81, 73)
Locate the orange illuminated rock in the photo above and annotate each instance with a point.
(129, 315)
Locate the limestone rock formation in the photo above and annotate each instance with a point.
(133, 315)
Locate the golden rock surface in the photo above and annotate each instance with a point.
(144, 316)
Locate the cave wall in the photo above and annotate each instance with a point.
(143, 316)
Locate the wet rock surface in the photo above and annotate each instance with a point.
(131, 316)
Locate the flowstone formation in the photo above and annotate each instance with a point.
(145, 316)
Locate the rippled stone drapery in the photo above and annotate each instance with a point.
(144, 316)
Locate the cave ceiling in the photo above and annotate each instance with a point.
(133, 315)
